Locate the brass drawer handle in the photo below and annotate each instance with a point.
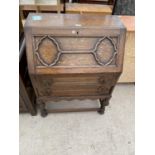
(100, 90)
(48, 91)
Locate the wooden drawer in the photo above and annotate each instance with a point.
(92, 79)
(75, 85)
(74, 90)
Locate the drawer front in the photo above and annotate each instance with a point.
(73, 90)
(75, 86)
(79, 51)
(89, 79)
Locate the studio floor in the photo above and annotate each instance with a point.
(82, 133)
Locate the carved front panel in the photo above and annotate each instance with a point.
(46, 51)
(52, 51)
(107, 51)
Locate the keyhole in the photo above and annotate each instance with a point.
(77, 32)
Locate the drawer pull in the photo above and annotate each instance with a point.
(47, 83)
(46, 92)
(100, 90)
(101, 80)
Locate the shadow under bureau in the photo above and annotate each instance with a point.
(74, 57)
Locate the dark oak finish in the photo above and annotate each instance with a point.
(74, 56)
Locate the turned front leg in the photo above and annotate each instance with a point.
(42, 108)
(103, 103)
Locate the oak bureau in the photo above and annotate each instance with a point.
(74, 57)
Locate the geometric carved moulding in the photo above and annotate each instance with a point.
(48, 51)
(106, 51)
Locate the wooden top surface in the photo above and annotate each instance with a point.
(129, 22)
(48, 20)
(73, 7)
(37, 2)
